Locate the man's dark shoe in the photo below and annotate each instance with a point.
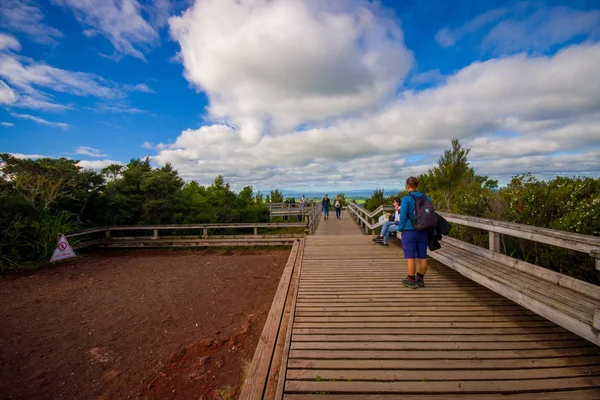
(410, 283)
(383, 244)
(420, 282)
(378, 239)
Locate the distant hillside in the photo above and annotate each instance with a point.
(350, 194)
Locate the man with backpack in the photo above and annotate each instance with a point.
(417, 218)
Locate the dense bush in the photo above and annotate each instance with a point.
(568, 204)
(45, 197)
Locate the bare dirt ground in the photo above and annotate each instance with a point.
(136, 324)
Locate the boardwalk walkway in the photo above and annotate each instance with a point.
(357, 333)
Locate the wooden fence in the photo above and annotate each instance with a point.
(107, 235)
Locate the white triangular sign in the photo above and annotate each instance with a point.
(63, 250)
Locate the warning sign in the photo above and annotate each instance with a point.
(63, 250)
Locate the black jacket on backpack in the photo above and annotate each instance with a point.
(435, 235)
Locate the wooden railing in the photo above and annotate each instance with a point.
(590, 245)
(290, 209)
(368, 220)
(205, 228)
(313, 218)
(572, 241)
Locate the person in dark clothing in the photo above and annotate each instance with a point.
(325, 205)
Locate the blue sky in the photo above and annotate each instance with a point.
(296, 95)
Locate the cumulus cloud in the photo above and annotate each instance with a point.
(326, 60)
(89, 151)
(41, 121)
(120, 21)
(509, 110)
(25, 16)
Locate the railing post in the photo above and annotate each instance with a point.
(596, 255)
(255, 230)
(107, 233)
(494, 242)
(205, 233)
(155, 236)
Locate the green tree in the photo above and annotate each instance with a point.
(276, 196)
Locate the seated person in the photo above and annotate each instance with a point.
(389, 226)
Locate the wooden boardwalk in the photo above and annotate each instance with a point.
(357, 333)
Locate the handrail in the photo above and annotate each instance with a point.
(363, 215)
(310, 226)
(572, 241)
(314, 216)
(568, 240)
(209, 226)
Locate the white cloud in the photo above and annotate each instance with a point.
(7, 95)
(327, 59)
(97, 165)
(147, 145)
(541, 30)
(431, 76)
(41, 121)
(448, 37)
(89, 151)
(141, 87)
(23, 156)
(122, 109)
(120, 21)
(31, 80)
(509, 110)
(525, 26)
(7, 124)
(25, 16)
(27, 74)
(9, 42)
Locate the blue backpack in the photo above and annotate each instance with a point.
(425, 218)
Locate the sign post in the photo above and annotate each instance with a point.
(63, 250)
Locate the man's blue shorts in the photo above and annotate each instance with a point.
(414, 244)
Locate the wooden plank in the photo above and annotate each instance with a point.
(428, 387)
(437, 365)
(258, 371)
(425, 331)
(418, 318)
(430, 346)
(409, 313)
(279, 360)
(579, 394)
(356, 337)
(442, 354)
(576, 326)
(566, 301)
(559, 279)
(441, 375)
